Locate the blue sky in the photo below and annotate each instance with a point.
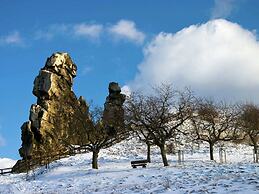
(136, 43)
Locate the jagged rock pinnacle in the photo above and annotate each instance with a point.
(53, 117)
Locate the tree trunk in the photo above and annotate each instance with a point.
(95, 159)
(256, 153)
(163, 154)
(211, 150)
(148, 152)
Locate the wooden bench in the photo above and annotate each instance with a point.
(136, 163)
(5, 171)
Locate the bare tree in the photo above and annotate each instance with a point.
(134, 106)
(92, 134)
(100, 136)
(158, 117)
(214, 122)
(250, 125)
(103, 127)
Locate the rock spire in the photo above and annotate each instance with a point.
(53, 117)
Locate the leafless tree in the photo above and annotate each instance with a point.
(93, 134)
(88, 130)
(250, 125)
(100, 136)
(134, 106)
(214, 122)
(158, 116)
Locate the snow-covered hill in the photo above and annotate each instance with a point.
(115, 175)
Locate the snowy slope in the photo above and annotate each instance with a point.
(115, 175)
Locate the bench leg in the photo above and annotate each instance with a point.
(134, 166)
(144, 166)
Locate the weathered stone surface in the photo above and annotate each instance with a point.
(37, 114)
(27, 140)
(113, 115)
(59, 119)
(61, 64)
(83, 104)
(42, 85)
(53, 118)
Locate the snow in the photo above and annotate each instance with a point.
(197, 174)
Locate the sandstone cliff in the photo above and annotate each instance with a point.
(59, 120)
(53, 119)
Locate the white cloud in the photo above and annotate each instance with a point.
(222, 8)
(88, 30)
(13, 38)
(123, 30)
(86, 70)
(7, 162)
(218, 58)
(127, 30)
(52, 31)
(45, 35)
(77, 30)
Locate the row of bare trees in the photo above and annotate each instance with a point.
(165, 114)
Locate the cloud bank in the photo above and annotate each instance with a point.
(7, 162)
(218, 58)
(122, 30)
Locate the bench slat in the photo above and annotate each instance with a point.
(139, 162)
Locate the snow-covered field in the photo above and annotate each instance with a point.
(115, 175)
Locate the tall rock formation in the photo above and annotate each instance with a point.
(54, 117)
(59, 119)
(113, 115)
